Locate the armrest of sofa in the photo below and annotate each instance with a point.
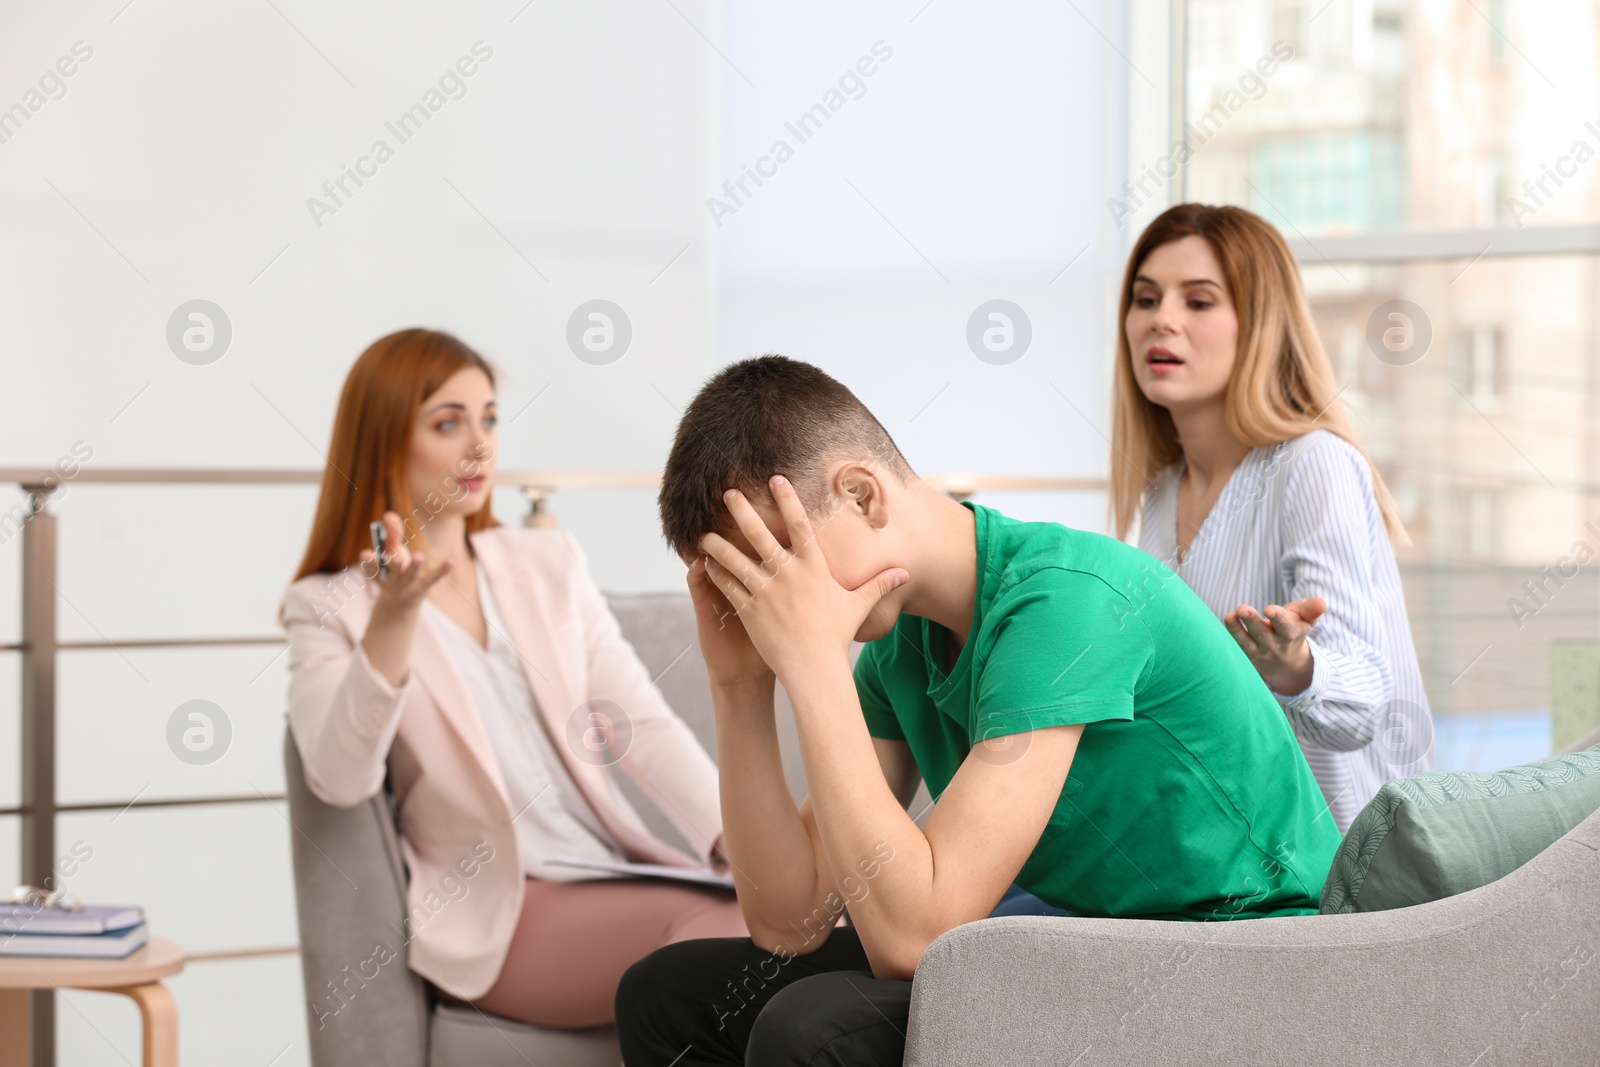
(1510, 967)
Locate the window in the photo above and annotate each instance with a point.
(1330, 182)
(1445, 156)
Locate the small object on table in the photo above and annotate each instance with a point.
(33, 896)
(34, 922)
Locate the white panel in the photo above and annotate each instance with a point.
(11, 498)
(10, 851)
(10, 729)
(597, 517)
(177, 561)
(115, 733)
(209, 878)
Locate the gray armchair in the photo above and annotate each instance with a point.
(350, 890)
(364, 1005)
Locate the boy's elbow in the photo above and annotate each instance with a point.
(767, 941)
(897, 962)
(895, 954)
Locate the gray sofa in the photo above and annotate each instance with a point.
(1504, 974)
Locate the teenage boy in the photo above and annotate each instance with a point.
(1088, 728)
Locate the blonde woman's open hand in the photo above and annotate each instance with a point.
(1275, 641)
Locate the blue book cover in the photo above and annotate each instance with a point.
(111, 945)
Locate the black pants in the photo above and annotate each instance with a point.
(724, 1001)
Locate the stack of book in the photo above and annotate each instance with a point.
(97, 931)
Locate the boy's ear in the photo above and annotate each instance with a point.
(860, 486)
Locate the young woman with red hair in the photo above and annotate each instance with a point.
(481, 672)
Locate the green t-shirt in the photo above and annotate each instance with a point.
(1188, 797)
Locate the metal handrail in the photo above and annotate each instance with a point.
(552, 479)
(536, 485)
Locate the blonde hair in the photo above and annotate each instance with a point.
(1281, 385)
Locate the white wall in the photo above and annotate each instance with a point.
(974, 166)
(178, 165)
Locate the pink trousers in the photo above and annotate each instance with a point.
(574, 940)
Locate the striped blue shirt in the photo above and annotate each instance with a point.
(1300, 519)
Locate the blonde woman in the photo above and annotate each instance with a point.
(1231, 445)
(481, 672)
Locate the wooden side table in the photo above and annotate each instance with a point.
(137, 976)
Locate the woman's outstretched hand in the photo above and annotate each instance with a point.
(1275, 641)
(410, 575)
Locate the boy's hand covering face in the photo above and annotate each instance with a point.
(731, 660)
(794, 611)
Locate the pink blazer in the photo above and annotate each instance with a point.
(353, 728)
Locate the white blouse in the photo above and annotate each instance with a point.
(555, 820)
(1301, 519)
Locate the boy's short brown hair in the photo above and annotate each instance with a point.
(756, 418)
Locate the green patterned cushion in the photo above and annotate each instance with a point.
(1438, 834)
